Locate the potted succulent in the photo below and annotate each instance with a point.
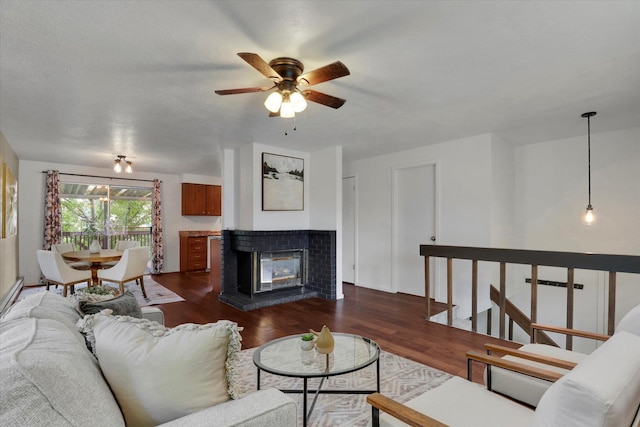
(307, 341)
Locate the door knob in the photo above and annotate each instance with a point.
(433, 238)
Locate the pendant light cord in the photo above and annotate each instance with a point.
(589, 154)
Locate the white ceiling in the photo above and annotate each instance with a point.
(83, 81)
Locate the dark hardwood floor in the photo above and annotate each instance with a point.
(395, 321)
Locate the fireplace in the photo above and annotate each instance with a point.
(271, 271)
(264, 268)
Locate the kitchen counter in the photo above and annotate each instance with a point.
(202, 233)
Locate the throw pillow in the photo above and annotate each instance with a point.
(123, 305)
(160, 374)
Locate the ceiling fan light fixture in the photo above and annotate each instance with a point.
(286, 109)
(273, 102)
(298, 101)
(129, 169)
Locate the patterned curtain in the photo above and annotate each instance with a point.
(157, 252)
(52, 211)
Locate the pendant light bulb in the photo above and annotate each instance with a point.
(117, 167)
(286, 109)
(589, 216)
(273, 102)
(129, 169)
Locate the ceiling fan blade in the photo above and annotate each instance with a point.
(323, 74)
(323, 98)
(243, 90)
(261, 65)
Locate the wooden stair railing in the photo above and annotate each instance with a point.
(612, 264)
(520, 318)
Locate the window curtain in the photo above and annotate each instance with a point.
(52, 211)
(157, 251)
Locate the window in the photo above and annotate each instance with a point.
(106, 213)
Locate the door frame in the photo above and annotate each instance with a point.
(395, 226)
(355, 227)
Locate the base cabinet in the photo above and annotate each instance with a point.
(193, 253)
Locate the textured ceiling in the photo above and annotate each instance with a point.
(82, 81)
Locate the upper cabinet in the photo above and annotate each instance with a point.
(201, 199)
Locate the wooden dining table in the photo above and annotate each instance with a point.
(95, 259)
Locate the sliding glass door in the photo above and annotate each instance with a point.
(105, 213)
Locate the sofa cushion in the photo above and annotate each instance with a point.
(159, 374)
(602, 390)
(49, 378)
(46, 305)
(122, 305)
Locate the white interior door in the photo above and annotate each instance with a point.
(414, 225)
(348, 229)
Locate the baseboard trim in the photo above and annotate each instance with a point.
(11, 296)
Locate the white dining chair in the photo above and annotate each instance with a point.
(121, 245)
(69, 247)
(56, 271)
(131, 266)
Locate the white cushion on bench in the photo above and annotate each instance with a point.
(458, 402)
(523, 387)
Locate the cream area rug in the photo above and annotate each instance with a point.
(156, 293)
(401, 379)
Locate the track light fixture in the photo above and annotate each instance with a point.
(118, 163)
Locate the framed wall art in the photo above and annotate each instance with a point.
(282, 183)
(9, 203)
(1, 196)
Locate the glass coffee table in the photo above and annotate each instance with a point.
(284, 357)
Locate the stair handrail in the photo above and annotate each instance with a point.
(610, 263)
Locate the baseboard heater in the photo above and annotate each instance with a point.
(11, 295)
(554, 283)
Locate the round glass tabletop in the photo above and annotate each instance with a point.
(285, 357)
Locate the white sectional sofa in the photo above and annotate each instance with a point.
(48, 377)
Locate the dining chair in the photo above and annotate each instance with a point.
(121, 245)
(56, 271)
(69, 247)
(131, 266)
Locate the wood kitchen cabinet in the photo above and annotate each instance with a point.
(193, 253)
(201, 199)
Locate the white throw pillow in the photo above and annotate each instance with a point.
(160, 374)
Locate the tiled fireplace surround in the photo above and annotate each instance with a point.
(320, 246)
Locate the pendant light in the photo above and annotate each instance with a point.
(589, 216)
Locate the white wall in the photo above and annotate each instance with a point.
(464, 207)
(550, 198)
(31, 209)
(326, 200)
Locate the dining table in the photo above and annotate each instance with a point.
(95, 259)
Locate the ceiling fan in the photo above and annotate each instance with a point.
(291, 95)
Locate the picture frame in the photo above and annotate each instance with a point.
(1, 196)
(282, 183)
(9, 203)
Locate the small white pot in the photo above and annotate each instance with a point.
(307, 345)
